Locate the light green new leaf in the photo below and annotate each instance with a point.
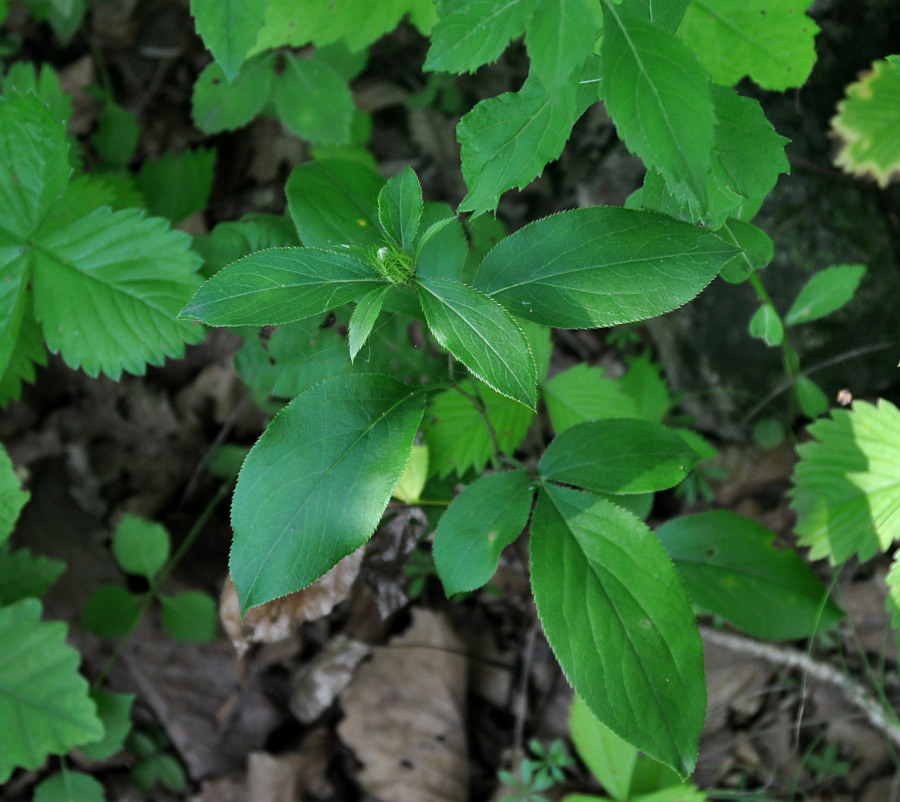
(313, 101)
(479, 523)
(601, 266)
(480, 334)
(771, 41)
(731, 568)
(470, 33)
(114, 710)
(826, 292)
(281, 285)
(620, 623)
(45, 708)
(178, 184)
(618, 455)
(658, 94)
(363, 318)
(415, 475)
(868, 123)
(108, 288)
(23, 574)
(583, 394)
(560, 38)
(314, 486)
(190, 617)
(766, 325)
(846, 485)
(140, 547)
(506, 141)
(335, 203)
(12, 497)
(610, 759)
(220, 105)
(69, 786)
(400, 208)
(228, 29)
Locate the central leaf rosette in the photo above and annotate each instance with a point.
(394, 264)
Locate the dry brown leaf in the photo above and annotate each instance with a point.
(404, 716)
(277, 620)
(273, 778)
(316, 685)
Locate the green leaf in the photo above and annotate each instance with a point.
(27, 351)
(69, 786)
(892, 603)
(618, 455)
(44, 703)
(583, 394)
(314, 486)
(116, 136)
(826, 292)
(644, 384)
(176, 186)
(111, 611)
(771, 41)
(335, 202)
(140, 547)
(470, 33)
(313, 100)
(610, 759)
(363, 318)
(732, 569)
(507, 140)
(23, 574)
(658, 95)
(457, 436)
(229, 241)
(846, 484)
(766, 325)
(620, 623)
(12, 497)
(813, 402)
(23, 78)
(400, 208)
(108, 288)
(480, 334)
(220, 105)
(666, 14)
(442, 248)
(560, 38)
(281, 285)
(190, 617)
(229, 29)
(412, 483)
(757, 250)
(868, 123)
(601, 266)
(479, 523)
(114, 710)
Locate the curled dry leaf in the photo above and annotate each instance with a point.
(404, 716)
(276, 620)
(317, 684)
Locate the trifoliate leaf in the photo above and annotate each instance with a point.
(313, 101)
(44, 703)
(220, 105)
(846, 484)
(826, 292)
(12, 497)
(771, 41)
(178, 184)
(228, 29)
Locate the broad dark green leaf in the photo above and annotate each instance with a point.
(400, 208)
(618, 455)
(313, 100)
(228, 29)
(582, 394)
(658, 94)
(470, 33)
(620, 623)
(14, 301)
(281, 285)
(220, 105)
(363, 318)
(601, 266)
(45, 708)
(480, 334)
(560, 38)
(479, 523)
(826, 292)
(443, 248)
(335, 202)
(314, 486)
(111, 611)
(234, 239)
(732, 569)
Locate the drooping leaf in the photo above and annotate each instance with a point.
(12, 497)
(281, 285)
(23, 574)
(400, 208)
(826, 292)
(560, 38)
(68, 786)
(846, 484)
(314, 486)
(766, 325)
(112, 611)
(582, 394)
(610, 759)
(220, 105)
(44, 703)
(618, 455)
(659, 96)
(228, 29)
(108, 288)
(178, 184)
(140, 547)
(771, 41)
(620, 623)
(601, 266)
(470, 33)
(479, 523)
(363, 318)
(480, 334)
(731, 568)
(114, 710)
(868, 123)
(190, 617)
(313, 100)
